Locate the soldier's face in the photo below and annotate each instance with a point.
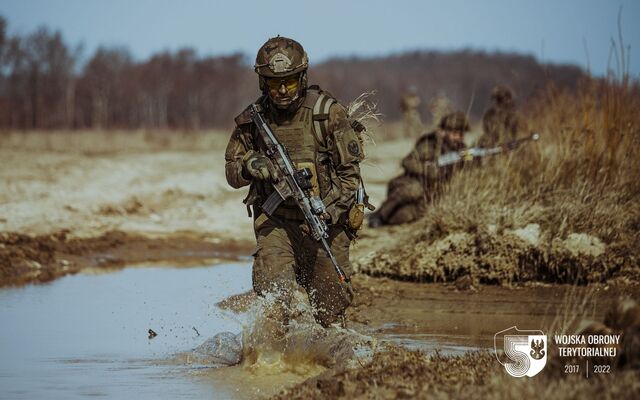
(454, 136)
(283, 91)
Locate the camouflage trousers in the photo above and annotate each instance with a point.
(287, 256)
(405, 202)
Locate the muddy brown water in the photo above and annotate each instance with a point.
(86, 335)
(437, 317)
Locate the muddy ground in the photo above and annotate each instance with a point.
(402, 374)
(39, 259)
(66, 209)
(63, 209)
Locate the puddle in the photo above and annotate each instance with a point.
(433, 317)
(454, 331)
(446, 345)
(87, 335)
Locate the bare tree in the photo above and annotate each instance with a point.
(41, 88)
(100, 88)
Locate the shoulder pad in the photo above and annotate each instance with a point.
(322, 105)
(311, 96)
(245, 116)
(320, 115)
(313, 92)
(318, 89)
(328, 93)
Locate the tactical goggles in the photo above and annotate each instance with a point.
(290, 83)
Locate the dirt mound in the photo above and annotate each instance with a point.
(492, 257)
(33, 259)
(399, 373)
(132, 206)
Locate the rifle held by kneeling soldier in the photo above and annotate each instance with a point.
(474, 153)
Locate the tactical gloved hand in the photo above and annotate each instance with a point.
(259, 166)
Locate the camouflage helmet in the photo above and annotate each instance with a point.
(280, 57)
(455, 121)
(502, 95)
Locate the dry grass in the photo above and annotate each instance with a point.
(581, 177)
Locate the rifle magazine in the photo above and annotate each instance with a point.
(271, 204)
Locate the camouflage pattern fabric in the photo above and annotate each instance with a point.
(411, 121)
(419, 185)
(286, 256)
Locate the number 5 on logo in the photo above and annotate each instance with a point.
(525, 352)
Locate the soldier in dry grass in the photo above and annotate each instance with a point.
(411, 121)
(439, 106)
(422, 181)
(318, 135)
(501, 123)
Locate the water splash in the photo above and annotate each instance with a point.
(269, 347)
(223, 349)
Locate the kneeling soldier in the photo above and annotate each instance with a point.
(422, 180)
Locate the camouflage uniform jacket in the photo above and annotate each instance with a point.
(421, 162)
(500, 125)
(336, 159)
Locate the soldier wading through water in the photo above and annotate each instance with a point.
(317, 134)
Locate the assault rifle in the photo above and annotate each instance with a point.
(296, 184)
(455, 157)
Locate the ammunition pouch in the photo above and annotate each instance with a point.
(356, 216)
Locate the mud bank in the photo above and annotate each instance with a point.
(484, 255)
(37, 259)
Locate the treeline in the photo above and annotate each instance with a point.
(43, 85)
(465, 78)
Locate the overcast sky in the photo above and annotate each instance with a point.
(560, 31)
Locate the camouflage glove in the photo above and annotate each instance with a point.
(258, 166)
